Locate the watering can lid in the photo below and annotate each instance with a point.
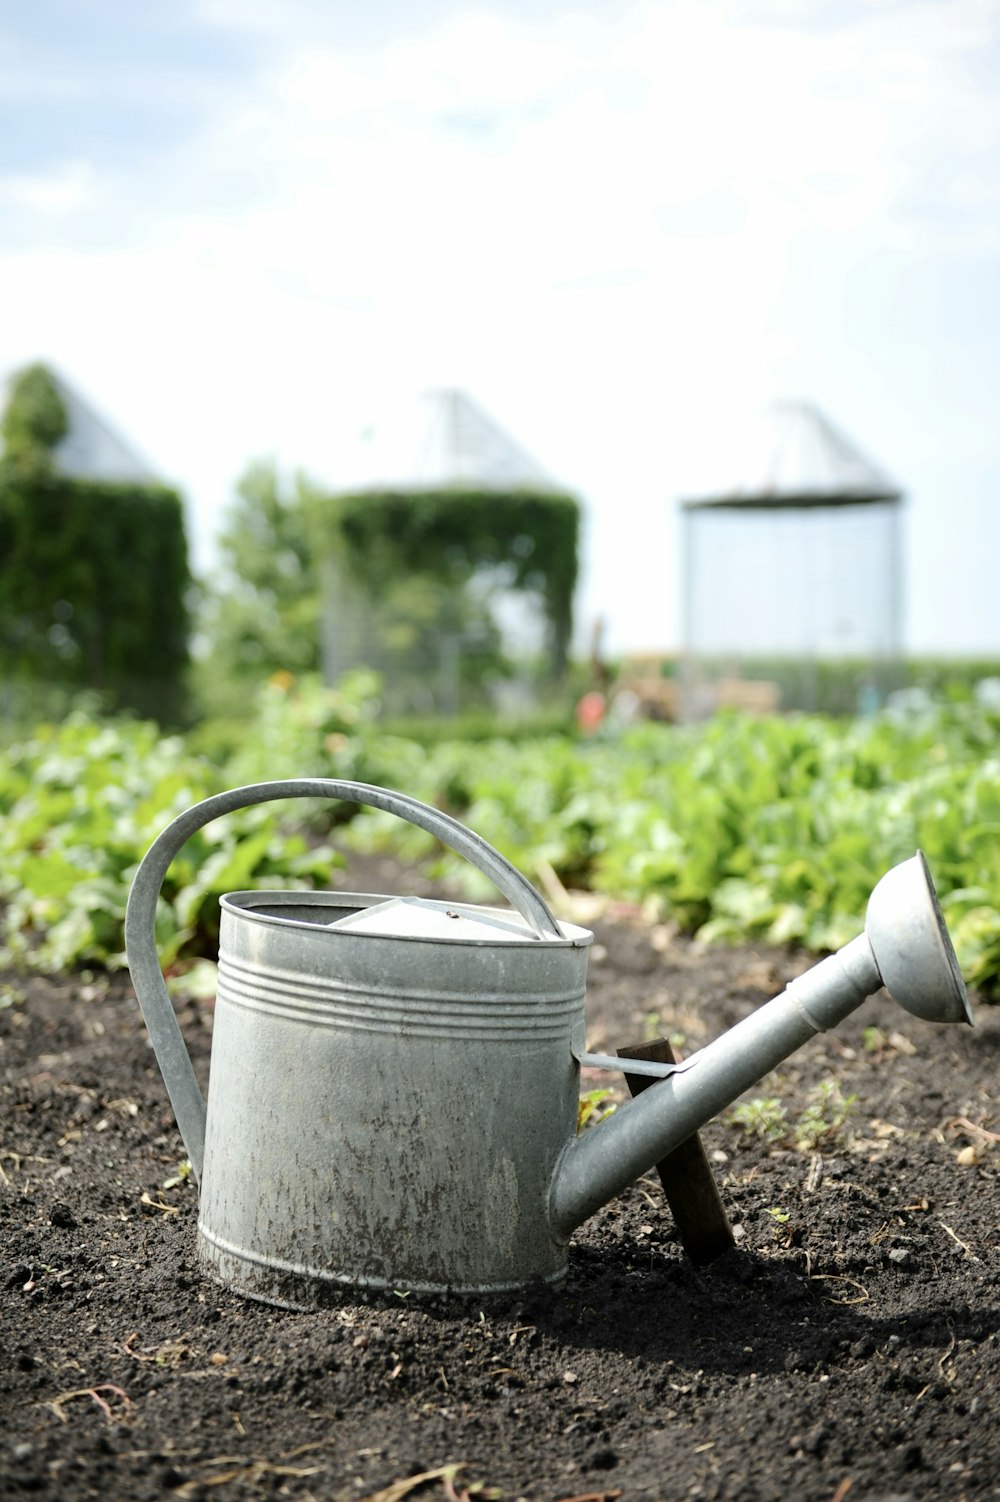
(423, 918)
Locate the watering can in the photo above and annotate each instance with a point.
(394, 1082)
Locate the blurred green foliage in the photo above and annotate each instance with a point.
(93, 575)
(34, 419)
(79, 805)
(847, 685)
(93, 590)
(261, 611)
(739, 829)
(299, 569)
(523, 540)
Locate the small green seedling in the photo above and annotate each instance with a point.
(874, 1040)
(764, 1116)
(783, 1229)
(824, 1117)
(180, 1175)
(592, 1110)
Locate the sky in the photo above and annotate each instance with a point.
(247, 228)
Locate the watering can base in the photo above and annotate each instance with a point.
(304, 1289)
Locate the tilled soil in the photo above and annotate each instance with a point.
(846, 1348)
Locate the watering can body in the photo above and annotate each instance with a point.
(391, 1083)
(394, 1083)
(386, 1110)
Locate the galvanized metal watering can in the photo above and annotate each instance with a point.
(394, 1082)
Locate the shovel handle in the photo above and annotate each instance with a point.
(140, 918)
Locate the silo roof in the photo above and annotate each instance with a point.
(444, 439)
(797, 457)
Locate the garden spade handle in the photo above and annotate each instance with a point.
(140, 929)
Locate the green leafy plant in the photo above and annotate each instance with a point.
(773, 830)
(874, 1040)
(818, 1125)
(784, 1231)
(80, 804)
(825, 1117)
(181, 1175)
(594, 1107)
(764, 1117)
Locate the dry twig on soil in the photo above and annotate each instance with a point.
(399, 1489)
(840, 1278)
(57, 1404)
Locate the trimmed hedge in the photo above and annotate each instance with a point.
(453, 533)
(93, 587)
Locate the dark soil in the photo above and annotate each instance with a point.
(847, 1347)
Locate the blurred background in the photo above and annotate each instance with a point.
(578, 416)
(272, 254)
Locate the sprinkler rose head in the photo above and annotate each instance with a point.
(911, 946)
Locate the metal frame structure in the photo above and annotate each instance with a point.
(800, 558)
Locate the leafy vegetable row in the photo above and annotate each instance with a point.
(772, 829)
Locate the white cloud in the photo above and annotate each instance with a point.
(67, 187)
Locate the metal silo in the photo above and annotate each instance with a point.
(792, 573)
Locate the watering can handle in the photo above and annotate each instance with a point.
(140, 918)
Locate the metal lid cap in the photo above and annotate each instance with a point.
(458, 923)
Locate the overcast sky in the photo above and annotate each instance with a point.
(246, 227)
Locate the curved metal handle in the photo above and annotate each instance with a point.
(140, 934)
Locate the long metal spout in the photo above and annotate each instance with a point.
(905, 947)
(598, 1164)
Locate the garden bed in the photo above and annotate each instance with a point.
(847, 1347)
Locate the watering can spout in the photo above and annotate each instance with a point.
(905, 947)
